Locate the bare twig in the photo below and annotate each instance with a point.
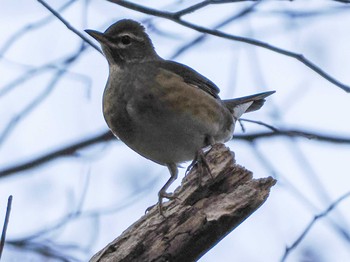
(65, 151)
(28, 28)
(76, 214)
(294, 133)
(260, 123)
(284, 181)
(60, 72)
(342, 1)
(68, 25)
(193, 8)
(37, 242)
(6, 222)
(46, 249)
(105, 136)
(31, 106)
(175, 18)
(310, 225)
(200, 38)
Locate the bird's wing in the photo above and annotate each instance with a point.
(190, 76)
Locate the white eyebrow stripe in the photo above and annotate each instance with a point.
(140, 39)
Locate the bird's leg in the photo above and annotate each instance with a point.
(202, 164)
(162, 192)
(201, 161)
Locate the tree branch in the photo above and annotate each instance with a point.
(205, 211)
(312, 222)
(65, 151)
(288, 133)
(8, 43)
(68, 25)
(173, 16)
(6, 222)
(106, 136)
(192, 43)
(56, 78)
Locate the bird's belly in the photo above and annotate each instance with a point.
(165, 143)
(164, 125)
(170, 144)
(164, 139)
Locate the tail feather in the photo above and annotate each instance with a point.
(241, 105)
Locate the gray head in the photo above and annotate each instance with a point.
(125, 41)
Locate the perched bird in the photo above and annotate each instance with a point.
(163, 110)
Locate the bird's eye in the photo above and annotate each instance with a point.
(126, 40)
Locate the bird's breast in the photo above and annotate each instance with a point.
(163, 118)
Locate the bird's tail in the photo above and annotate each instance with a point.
(241, 105)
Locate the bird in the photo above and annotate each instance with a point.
(164, 110)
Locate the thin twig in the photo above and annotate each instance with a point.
(293, 133)
(56, 78)
(285, 182)
(200, 5)
(175, 18)
(68, 25)
(71, 149)
(192, 8)
(260, 123)
(47, 249)
(72, 216)
(65, 151)
(236, 16)
(6, 222)
(310, 225)
(29, 28)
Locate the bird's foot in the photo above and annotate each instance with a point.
(161, 196)
(202, 164)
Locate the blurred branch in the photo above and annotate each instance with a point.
(342, 1)
(193, 8)
(6, 222)
(203, 213)
(301, 14)
(311, 224)
(228, 20)
(46, 249)
(293, 133)
(37, 242)
(76, 214)
(61, 71)
(30, 107)
(289, 133)
(283, 180)
(68, 25)
(173, 16)
(258, 123)
(42, 245)
(65, 151)
(28, 28)
(71, 149)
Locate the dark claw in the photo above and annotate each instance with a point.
(201, 162)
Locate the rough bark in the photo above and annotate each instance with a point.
(207, 209)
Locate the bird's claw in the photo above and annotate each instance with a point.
(161, 196)
(201, 163)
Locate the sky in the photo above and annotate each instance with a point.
(112, 180)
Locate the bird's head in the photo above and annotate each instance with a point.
(125, 41)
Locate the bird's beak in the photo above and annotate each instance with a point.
(100, 37)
